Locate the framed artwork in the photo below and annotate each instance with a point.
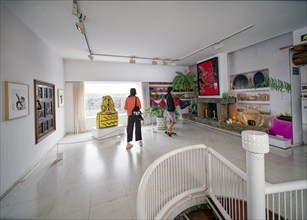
(208, 77)
(60, 98)
(44, 107)
(16, 100)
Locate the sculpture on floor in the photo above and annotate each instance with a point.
(108, 116)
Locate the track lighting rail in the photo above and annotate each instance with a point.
(80, 26)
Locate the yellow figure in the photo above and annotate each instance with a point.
(108, 116)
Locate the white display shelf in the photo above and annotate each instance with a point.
(159, 85)
(175, 93)
(254, 102)
(264, 89)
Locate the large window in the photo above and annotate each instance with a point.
(94, 91)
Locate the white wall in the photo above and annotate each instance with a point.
(77, 70)
(25, 57)
(264, 55)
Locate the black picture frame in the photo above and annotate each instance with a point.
(208, 77)
(44, 107)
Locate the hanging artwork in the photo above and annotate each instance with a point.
(16, 100)
(60, 98)
(208, 77)
(44, 107)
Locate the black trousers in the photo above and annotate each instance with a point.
(130, 126)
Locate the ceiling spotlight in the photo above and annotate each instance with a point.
(154, 62)
(173, 63)
(90, 56)
(218, 45)
(80, 26)
(132, 60)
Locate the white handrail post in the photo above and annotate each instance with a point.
(256, 144)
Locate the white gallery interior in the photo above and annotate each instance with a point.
(26, 57)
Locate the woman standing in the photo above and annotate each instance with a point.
(170, 111)
(131, 102)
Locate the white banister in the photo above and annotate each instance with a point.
(287, 200)
(170, 178)
(256, 144)
(190, 175)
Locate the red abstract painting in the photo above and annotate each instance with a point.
(208, 77)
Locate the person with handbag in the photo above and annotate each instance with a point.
(133, 106)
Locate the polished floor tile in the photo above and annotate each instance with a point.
(99, 179)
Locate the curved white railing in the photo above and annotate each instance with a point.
(169, 179)
(226, 186)
(197, 170)
(286, 200)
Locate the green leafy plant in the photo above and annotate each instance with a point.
(277, 84)
(225, 95)
(157, 111)
(184, 81)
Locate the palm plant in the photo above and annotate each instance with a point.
(277, 84)
(184, 81)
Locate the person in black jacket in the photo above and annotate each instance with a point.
(170, 111)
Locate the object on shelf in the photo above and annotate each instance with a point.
(241, 96)
(240, 82)
(265, 113)
(231, 94)
(264, 97)
(252, 98)
(225, 95)
(258, 79)
(250, 84)
(285, 118)
(250, 116)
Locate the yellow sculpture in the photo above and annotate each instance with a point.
(108, 116)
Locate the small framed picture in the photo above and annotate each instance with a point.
(60, 98)
(16, 100)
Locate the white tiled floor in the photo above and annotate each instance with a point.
(98, 179)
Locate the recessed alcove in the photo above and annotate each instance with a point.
(205, 115)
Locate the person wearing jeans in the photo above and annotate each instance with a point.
(131, 101)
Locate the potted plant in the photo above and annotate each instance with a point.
(158, 112)
(184, 81)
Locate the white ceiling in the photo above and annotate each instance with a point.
(164, 29)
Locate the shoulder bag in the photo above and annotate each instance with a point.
(137, 114)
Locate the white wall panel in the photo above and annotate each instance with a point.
(25, 57)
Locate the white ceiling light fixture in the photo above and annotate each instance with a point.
(80, 26)
(91, 56)
(219, 45)
(132, 61)
(173, 63)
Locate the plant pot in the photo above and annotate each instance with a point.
(161, 123)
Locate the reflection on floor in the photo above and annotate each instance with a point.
(98, 179)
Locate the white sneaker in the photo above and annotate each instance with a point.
(129, 146)
(141, 144)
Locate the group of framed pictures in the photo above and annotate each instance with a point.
(17, 105)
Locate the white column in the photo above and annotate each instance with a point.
(256, 144)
